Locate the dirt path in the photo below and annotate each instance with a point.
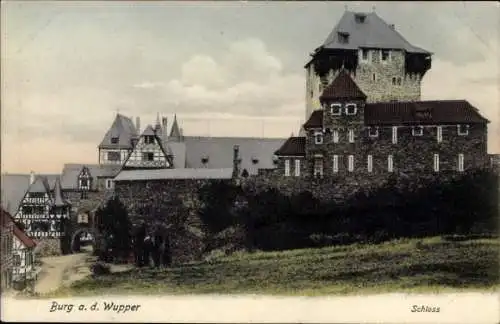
(62, 270)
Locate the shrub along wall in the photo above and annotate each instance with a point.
(274, 213)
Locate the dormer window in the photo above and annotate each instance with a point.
(463, 130)
(360, 18)
(318, 137)
(351, 109)
(373, 132)
(417, 131)
(385, 55)
(114, 140)
(343, 37)
(336, 109)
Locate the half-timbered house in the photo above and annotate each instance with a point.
(7, 233)
(23, 256)
(150, 152)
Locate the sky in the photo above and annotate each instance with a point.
(224, 68)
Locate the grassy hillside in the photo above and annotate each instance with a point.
(428, 265)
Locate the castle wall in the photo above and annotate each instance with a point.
(172, 204)
(409, 154)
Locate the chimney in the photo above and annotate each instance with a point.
(164, 130)
(32, 177)
(392, 26)
(138, 125)
(236, 161)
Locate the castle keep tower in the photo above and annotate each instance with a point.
(383, 64)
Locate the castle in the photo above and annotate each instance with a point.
(364, 116)
(364, 113)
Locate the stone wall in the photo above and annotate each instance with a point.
(47, 247)
(380, 89)
(410, 153)
(171, 204)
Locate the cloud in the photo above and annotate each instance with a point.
(247, 80)
(478, 82)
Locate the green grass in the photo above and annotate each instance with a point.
(427, 265)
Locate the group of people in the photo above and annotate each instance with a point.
(151, 247)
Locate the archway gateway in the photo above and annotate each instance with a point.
(81, 237)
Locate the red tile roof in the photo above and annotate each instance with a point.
(294, 146)
(315, 120)
(423, 112)
(25, 239)
(5, 218)
(418, 112)
(342, 87)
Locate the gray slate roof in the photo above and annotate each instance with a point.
(162, 174)
(124, 129)
(175, 132)
(41, 184)
(219, 151)
(374, 32)
(59, 199)
(14, 188)
(70, 173)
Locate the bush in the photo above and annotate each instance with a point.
(99, 269)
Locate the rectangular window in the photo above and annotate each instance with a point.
(394, 135)
(390, 163)
(436, 162)
(149, 139)
(335, 163)
(364, 54)
(386, 55)
(287, 168)
(113, 156)
(393, 81)
(318, 138)
(351, 136)
(297, 167)
(351, 109)
(463, 130)
(370, 163)
(318, 167)
(336, 109)
(373, 131)
(109, 183)
(461, 162)
(350, 163)
(84, 183)
(114, 140)
(439, 134)
(147, 156)
(374, 77)
(417, 130)
(335, 136)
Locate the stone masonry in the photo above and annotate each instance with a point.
(379, 80)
